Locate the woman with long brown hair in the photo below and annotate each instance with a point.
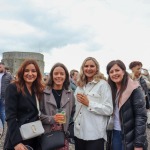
(57, 97)
(129, 131)
(20, 105)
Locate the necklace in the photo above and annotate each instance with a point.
(58, 92)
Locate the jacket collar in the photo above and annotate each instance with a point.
(64, 98)
(30, 97)
(126, 94)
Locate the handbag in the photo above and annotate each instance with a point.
(70, 132)
(32, 129)
(52, 140)
(110, 123)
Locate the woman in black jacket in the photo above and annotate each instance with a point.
(20, 105)
(129, 109)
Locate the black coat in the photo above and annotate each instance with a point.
(133, 118)
(20, 109)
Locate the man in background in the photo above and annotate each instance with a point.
(140, 74)
(73, 85)
(5, 79)
(73, 79)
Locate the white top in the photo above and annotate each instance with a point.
(90, 124)
(117, 125)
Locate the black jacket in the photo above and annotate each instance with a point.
(6, 79)
(20, 109)
(133, 118)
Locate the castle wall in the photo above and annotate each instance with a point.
(13, 60)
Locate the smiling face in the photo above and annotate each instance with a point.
(59, 77)
(89, 69)
(30, 74)
(2, 68)
(137, 71)
(116, 74)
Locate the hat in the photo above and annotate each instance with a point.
(1, 63)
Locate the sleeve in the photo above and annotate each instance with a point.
(140, 118)
(11, 101)
(147, 82)
(103, 106)
(73, 108)
(45, 118)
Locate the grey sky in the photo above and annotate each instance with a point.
(75, 29)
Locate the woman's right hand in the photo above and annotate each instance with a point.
(59, 118)
(20, 146)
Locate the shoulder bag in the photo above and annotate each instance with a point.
(52, 140)
(70, 132)
(32, 129)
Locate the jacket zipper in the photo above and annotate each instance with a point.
(122, 128)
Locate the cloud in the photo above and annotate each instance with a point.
(38, 29)
(59, 29)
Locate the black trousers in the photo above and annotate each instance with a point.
(89, 145)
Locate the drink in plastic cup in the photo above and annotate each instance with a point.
(62, 116)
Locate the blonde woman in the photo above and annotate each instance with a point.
(93, 106)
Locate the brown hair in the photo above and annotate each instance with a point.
(66, 83)
(124, 81)
(135, 63)
(72, 72)
(37, 85)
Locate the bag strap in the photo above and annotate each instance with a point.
(38, 105)
(81, 104)
(78, 113)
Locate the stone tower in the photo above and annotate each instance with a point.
(13, 60)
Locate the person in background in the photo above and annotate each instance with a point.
(139, 73)
(21, 105)
(57, 97)
(73, 84)
(5, 79)
(45, 78)
(93, 106)
(142, 77)
(73, 79)
(146, 76)
(129, 109)
(1, 129)
(7, 70)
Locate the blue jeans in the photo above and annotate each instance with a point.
(2, 111)
(117, 140)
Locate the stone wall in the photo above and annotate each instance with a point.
(13, 60)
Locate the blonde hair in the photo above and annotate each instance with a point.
(82, 79)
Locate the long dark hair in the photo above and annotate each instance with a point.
(66, 83)
(37, 85)
(124, 81)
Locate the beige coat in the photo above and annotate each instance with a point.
(48, 107)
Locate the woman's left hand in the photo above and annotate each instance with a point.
(83, 99)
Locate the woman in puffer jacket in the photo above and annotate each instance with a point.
(129, 132)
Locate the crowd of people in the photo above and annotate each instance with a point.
(85, 97)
